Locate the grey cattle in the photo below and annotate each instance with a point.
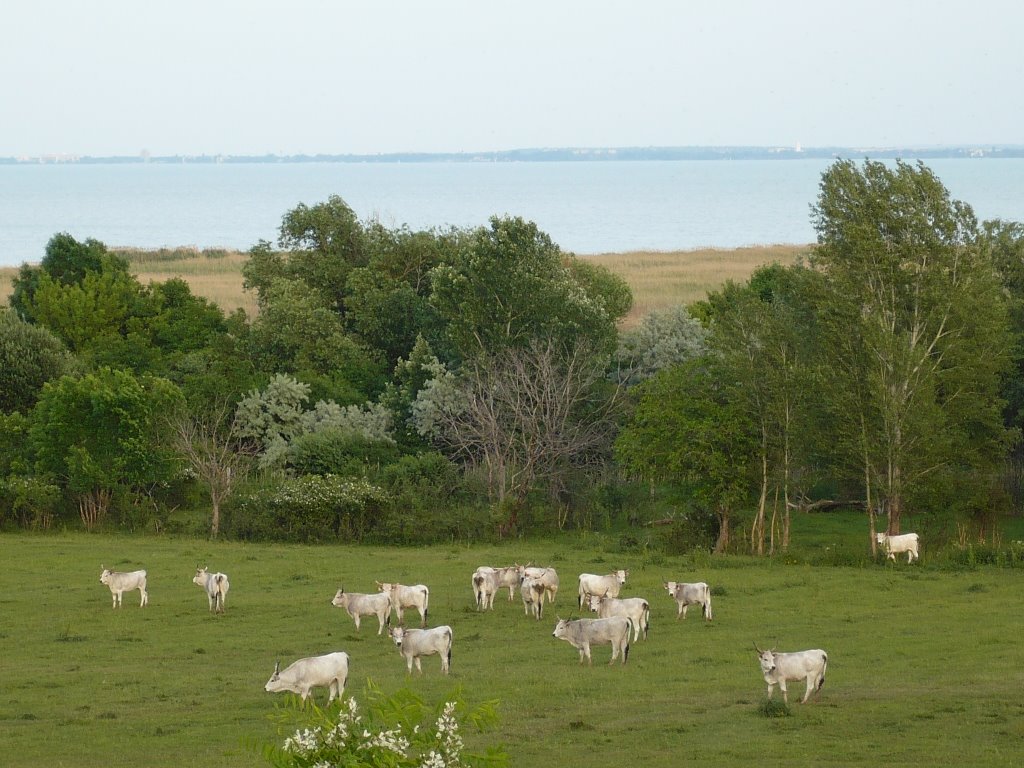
(329, 670)
(120, 582)
(685, 595)
(505, 577)
(216, 586)
(602, 586)
(635, 608)
(777, 668)
(485, 587)
(532, 591)
(403, 597)
(358, 604)
(414, 644)
(894, 545)
(546, 576)
(583, 633)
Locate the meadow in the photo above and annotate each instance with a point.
(659, 279)
(925, 661)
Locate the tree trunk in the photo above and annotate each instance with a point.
(92, 507)
(723, 532)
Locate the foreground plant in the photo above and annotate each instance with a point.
(398, 730)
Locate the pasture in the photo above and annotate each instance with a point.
(925, 664)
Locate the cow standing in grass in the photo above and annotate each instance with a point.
(895, 545)
(216, 586)
(777, 668)
(414, 644)
(358, 604)
(685, 595)
(583, 633)
(121, 582)
(403, 597)
(602, 586)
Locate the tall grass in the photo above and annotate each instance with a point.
(924, 663)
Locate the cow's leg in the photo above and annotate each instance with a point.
(810, 689)
(400, 613)
(785, 693)
(419, 665)
(423, 617)
(355, 618)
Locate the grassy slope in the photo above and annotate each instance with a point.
(658, 278)
(924, 664)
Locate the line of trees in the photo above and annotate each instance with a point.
(401, 385)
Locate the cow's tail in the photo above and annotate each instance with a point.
(824, 666)
(647, 619)
(629, 634)
(450, 649)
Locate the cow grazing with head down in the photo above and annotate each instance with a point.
(583, 633)
(777, 668)
(414, 644)
(121, 582)
(602, 586)
(330, 671)
(216, 586)
(403, 597)
(894, 545)
(358, 604)
(686, 595)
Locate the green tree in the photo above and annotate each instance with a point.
(908, 280)
(102, 431)
(30, 356)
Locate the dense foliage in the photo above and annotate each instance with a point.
(410, 386)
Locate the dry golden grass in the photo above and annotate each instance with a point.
(659, 279)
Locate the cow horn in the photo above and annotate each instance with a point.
(759, 651)
(277, 667)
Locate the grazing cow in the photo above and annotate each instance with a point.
(583, 633)
(403, 597)
(414, 644)
(330, 671)
(121, 582)
(602, 586)
(532, 591)
(485, 587)
(686, 595)
(216, 586)
(894, 545)
(357, 604)
(777, 668)
(636, 608)
(546, 576)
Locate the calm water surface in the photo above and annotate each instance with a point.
(585, 207)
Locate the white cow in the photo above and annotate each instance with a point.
(485, 587)
(894, 545)
(777, 668)
(506, 577)
(583, 633)
(636, 608)
(330, 671)
(602, 586)
(532, 591)
(697, 593)
(216, 586)
(121, 582)
(546, 576)
(357, 604)
(403, 597)
(414, 644)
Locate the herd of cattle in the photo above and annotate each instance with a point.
(620, 620)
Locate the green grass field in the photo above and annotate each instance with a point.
(925, 663)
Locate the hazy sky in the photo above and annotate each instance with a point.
(337, 76)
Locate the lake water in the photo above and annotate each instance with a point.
(586, 207)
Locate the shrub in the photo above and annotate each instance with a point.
(337, 451)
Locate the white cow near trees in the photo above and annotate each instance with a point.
(329, 670)
(602, 586)
(685, 595)
(777, 668)
(894, 545)
(120, 582)
(216, 586)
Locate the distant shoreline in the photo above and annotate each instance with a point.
(562, 154)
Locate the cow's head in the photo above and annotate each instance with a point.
(670, 586)
(622, 576)
(274, 683)
(385, 586)
(595, 602)
(560, 628)
(767, 659)
(339, 598)
(881, 537)
(200, 577)
(105, 575)
(397, 634)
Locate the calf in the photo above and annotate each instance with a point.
(894, 545)
(532, 592)
(777, 668)
(403, 597)
(121, 582)
(414, 644)
(357, 604)
(330, 670)
(635, 608)
(216, 586)
(583, 633)
(686, 595)
(602, 586)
